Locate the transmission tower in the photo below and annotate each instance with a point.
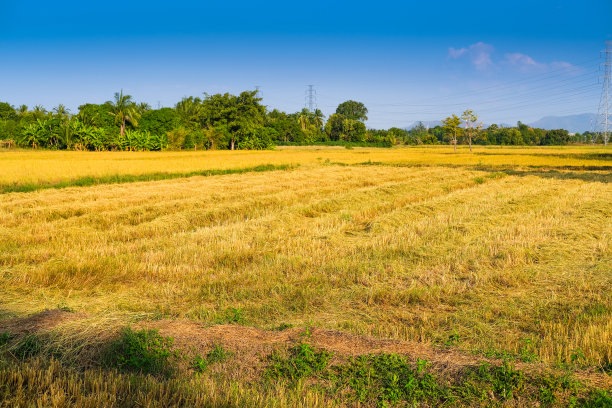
(606, 95)
(311, 98)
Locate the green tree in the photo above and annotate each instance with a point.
(353, 110)
(159, 121)
(7, 111)
(469, 119)
(124, 110)
(238, 118)
(451, 129)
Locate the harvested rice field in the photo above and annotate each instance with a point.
(308, 277)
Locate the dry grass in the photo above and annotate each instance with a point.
(517, 261)
(25, 167)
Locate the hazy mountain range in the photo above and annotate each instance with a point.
(572, 123)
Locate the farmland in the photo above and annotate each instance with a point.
(503, 256)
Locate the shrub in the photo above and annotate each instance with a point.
(303, 361)
(389, 378)
(143, 351)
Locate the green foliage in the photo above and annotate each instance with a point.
(232, 315)
(339, 127)
(302, 361)
(7, 111)
(504, 381)
(555, 137)
(143, 351)
(65, 308)
(159, 122)
(29, 346)
(5, 338)
(597, 399)
(218, 354)
(225, 121)
(353, 110)
(389, 379)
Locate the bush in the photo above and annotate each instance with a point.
(143, 351)
(303, 361)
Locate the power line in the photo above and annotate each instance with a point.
(604, 102)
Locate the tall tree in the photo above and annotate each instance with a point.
(353, 110)
(451, 128)
(124, 110)
(469, 118)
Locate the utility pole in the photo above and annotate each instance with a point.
(258, 92)
(311, 98)
(604, 102)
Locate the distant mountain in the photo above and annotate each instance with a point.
(427, 123)
(572, 123)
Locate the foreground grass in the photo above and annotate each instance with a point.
(486, 261)
(141, 368)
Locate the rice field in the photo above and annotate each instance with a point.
(504, 253)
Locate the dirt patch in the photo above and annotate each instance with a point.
(252, 345)
(38, 322)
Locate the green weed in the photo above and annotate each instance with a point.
(232, 315)
(389, 379)
(217, 355)
(143, 351)
(5, 337)
(504, 381)
(597, 399)
(30, 346)
(302, 361)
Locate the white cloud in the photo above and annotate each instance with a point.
(566, 66)
(479, 54)
(523, 62)
(456, 53)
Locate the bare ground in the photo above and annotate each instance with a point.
(251, 345)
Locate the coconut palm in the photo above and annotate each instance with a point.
(124, 110)
(189, 109)
(317, 118)
(303, 118)
(61, 111)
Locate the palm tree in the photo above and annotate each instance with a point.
(23, 109)
(317, 118)
(39, 112)
(61, 110)
(189, 109)
(124, 110)
(143, 107)
(303, 118)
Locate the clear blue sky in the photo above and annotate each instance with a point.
(406, 60)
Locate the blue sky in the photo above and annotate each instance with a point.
(405, 60)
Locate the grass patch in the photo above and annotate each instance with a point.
(143, 351)
(233, 315)
(389, 379)
(29, 346)
(301, 361)
(217, 355)
(131, 178)
(5, 338)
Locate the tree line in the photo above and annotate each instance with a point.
(225, 121)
